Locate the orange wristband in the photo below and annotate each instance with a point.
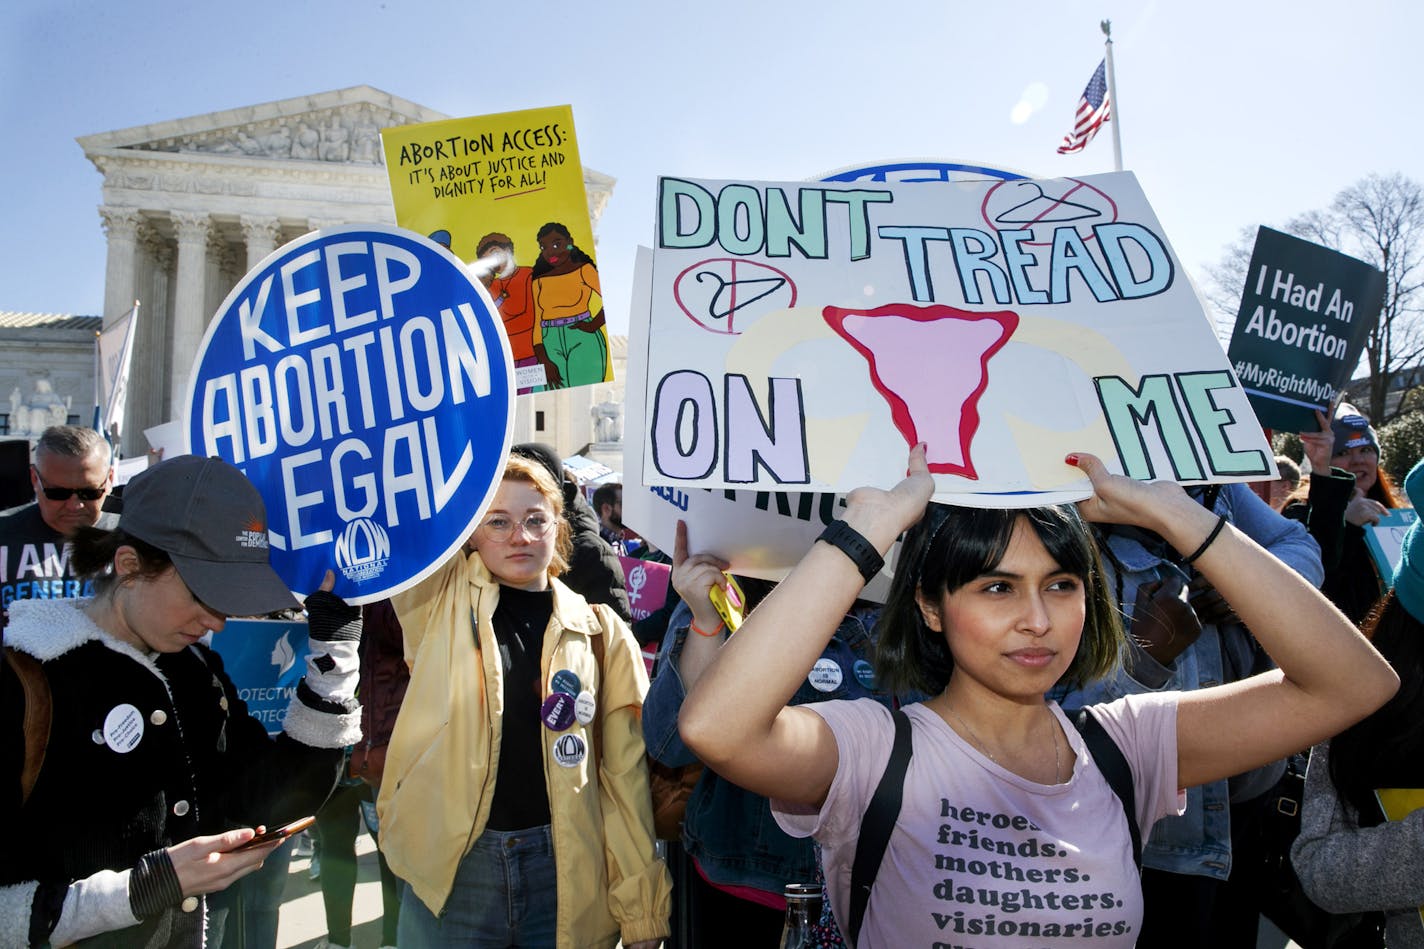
(692, 625)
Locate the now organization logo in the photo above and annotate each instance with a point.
(362, 550)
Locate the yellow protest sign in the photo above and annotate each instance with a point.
(508, 189)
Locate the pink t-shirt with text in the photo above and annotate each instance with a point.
(981, 857)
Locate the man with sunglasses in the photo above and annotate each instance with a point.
(71, 475)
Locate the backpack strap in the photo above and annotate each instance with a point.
(1108, 757)
(39, 711)
(878, 822)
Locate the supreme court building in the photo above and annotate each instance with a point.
(190, 205)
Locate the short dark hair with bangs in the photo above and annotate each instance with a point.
(951, 546)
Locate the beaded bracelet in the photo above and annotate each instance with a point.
(721, 625)
(1191, 558)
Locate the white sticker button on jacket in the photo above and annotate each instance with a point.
(584, 707)
(826, 675)
(123, 728)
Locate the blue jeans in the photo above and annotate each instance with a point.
(504, 895)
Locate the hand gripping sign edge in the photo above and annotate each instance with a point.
(374, 419)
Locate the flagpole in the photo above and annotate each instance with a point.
(1115, 120)
(97, 424)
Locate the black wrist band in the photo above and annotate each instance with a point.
(153, 885)
(1192, 557)
(850, 542)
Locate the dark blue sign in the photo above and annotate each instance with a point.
(265, 659)
(362, 380)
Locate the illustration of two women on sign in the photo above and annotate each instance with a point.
(552, 312)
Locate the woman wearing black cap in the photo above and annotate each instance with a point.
(1347, 491)
(130, 795)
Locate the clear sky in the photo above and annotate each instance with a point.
(1232, 114)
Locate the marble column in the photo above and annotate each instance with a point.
(189, 301)
(121, 225)
(262, 235)
(148, 402)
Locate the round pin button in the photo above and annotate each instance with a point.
(158, 716)
(565, 681)
(826, 675)
(864, 673)
(123, 728)
(569, 750)
(557, 712)
(584, 707)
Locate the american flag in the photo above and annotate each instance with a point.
(1093, 110)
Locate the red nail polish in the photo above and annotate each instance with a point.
(1072, 459)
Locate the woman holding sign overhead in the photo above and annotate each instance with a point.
(515, 780)
(1013, 827)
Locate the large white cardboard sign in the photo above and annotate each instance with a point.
(803, 335)
(760, 533)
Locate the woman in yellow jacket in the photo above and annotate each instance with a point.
(515, 803)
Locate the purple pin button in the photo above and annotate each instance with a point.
(557, 712)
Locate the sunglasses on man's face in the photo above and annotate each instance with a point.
(64, 494)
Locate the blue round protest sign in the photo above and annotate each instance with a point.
(362, 380)
(922, 169)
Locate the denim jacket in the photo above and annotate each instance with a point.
(1199, 841)
(727, 830)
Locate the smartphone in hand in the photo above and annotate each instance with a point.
(279, 833)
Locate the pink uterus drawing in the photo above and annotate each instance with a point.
(931, 365)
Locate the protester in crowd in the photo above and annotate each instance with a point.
(1003, 806)
(1348, 857)
(1283, 487)
(593, 570)
(384, 679)
(151, 759)
(1183, 636)
(608, 505)
(519, 739)
(742, 859)
(565, 285)
(71, 476)
(1348, 490)
(338, 823)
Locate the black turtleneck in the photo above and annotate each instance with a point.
(521, 798)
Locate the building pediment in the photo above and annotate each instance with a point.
(341, 126)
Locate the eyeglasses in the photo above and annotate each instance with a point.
(64, 494)
(500, 527)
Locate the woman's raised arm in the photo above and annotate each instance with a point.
(1329, 676)
(736, 718)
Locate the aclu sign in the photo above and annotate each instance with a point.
(362, 380)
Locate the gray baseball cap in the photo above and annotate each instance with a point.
(211, 521)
